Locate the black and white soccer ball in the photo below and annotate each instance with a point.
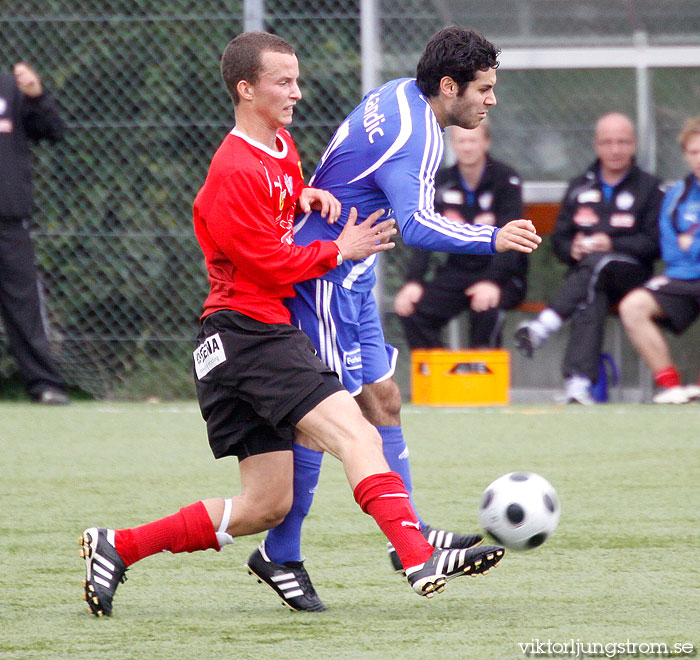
(520, 510)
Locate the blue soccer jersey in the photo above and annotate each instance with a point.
(680, 213)
(385, 155)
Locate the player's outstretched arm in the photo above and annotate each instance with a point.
(518, 235)
(367, 238)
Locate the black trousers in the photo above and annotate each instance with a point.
(589, 288)
(21, 310)
(440, 304)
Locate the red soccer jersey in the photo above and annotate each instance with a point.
(243, 219)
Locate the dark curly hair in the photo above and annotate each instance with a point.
(456, 52)
(242, 58)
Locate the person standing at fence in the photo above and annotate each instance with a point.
(258, 379)
(607, 233)
(671, 300)
(478, 190)
(28, 112)
(386, 154)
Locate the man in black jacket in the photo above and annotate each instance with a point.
(27, 112)
(607, 232)
(477, 190)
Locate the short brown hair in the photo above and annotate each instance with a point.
(242, 58)
(690, 128)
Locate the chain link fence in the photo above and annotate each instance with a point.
(138, 84)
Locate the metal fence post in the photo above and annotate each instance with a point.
(253, 15)
(371, 54)
(646, 126)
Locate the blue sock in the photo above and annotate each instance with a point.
(283, 543)
(396, 454)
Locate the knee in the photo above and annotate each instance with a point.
(381, 402)
(634, 307)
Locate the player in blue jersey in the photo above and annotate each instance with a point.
(385, 155)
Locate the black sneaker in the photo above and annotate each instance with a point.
(444, 565)
(104, 569)
(438, 538)
(394, 558)
(290, 581)
(524, 340)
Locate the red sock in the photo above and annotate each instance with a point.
(383, 496)
(668, 377)
(188, 530)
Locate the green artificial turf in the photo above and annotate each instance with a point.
(622, 568)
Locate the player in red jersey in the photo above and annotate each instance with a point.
(259, 382)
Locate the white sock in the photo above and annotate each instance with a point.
(550, 320)
(576, 384)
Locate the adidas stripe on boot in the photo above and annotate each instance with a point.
(290, 581)
(444, 565)
(104, 569)
(438, 538)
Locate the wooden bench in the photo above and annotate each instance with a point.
(543, 216)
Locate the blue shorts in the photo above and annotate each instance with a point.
(346, 330)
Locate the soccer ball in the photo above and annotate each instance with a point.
(520, 510)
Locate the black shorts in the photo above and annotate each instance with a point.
(255, 381)
(679, 300)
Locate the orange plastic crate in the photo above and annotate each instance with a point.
(460, 378)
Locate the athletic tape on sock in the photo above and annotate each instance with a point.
(222, 536)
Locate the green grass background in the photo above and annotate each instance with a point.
(622, 566)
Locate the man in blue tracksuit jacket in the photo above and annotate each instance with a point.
(671, 300)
